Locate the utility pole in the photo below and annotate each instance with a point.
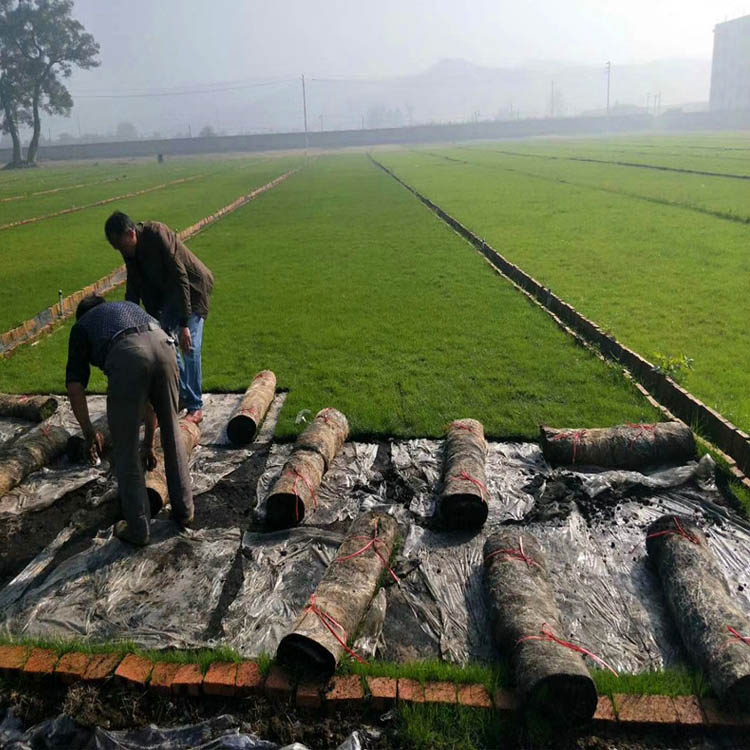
(304, 107)
(552, 101)
(321, 122)
(609, 76)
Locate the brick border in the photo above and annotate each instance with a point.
(45, 321)
(730, 440)
(239, 680)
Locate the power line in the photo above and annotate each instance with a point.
(191, 92)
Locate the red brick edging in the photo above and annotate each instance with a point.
(232, 679)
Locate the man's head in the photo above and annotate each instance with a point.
(88, 303)
(121, 233)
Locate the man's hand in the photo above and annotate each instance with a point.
(94, 446)
(186, 340)
(148, 457)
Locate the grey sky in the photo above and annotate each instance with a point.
(147, 44)
(179, 45)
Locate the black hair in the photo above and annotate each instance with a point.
(88, 303)
(117, 225)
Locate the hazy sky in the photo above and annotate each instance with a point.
(147, 44)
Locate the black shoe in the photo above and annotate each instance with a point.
(122, 532)
(186, 523)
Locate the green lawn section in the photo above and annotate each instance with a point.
(120, 180)
(714, 153)
(70, 251)
(719, 196)
(357, 297)
(668, 282)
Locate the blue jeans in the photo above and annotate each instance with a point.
(191, 376)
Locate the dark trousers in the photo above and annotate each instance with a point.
(141, 367)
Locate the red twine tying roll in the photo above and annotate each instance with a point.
(45, 430)
(517, 554)
(641, 427)
(330, 623)
(372, 543)
(678, 530)
(548, 635)
(299, 476)
(736, 637)
(23, 399)
(482, 489)
(462, 426)
(577, 435)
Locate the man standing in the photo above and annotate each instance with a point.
(175, 287)
(139, 360)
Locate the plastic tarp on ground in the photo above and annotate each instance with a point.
(590, 523)
(214, 459)
(220, 733)
(610, 598)
(161, 595)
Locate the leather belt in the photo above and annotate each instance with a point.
(127, 332)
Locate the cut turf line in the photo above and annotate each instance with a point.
(687, 407)
(103, 202)
(44, 321)
(635, 164)
(58, 190)
(724, 215)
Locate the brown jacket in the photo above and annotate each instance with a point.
(172, 282)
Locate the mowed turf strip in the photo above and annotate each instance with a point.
(666, 281)
(359, 298)
(720, 196)
(122, 179)
(70, 251)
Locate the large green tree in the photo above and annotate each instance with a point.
(40, 44)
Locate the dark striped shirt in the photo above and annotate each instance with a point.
(90, 336)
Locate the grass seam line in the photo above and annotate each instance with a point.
(45, 321)
(637, 165)
(665, 391)
(26, 196)
(103, 202)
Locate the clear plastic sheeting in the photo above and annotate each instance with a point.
(223, 732)
(157, 596)
(212, 460)
(43, 488)
(349, 481)
(280, 571)
(11, 428)
(610, 599)
(512, 469)
(215, 456)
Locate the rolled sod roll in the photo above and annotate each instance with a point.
(464, 498)
(341, 599)
(247, 417)
(33, 408)
(629, 446)
(75, 448)
(313, 452)
(30, 453)
(713, 628)
(156, 480)
(552, 678)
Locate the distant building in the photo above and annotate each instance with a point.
(730, 72)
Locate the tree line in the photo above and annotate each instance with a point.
(40, 44)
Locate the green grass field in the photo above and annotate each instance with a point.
(668, 281)
(357, 297)
(70, 251)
